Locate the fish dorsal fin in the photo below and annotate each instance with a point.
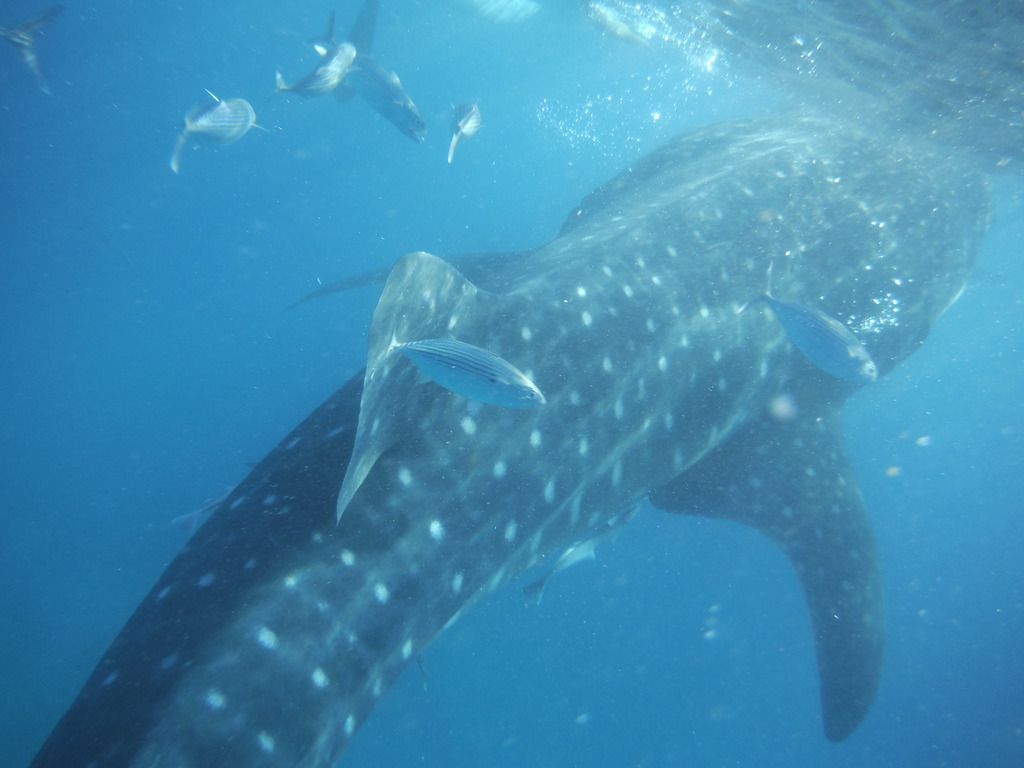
(362, 32)
(424, 297)
(791, 481)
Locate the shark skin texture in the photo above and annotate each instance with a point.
(396, 505)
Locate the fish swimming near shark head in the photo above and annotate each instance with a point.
(269, 639)
(23, 38)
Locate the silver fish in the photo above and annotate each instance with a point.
(335, 64)
(473, 372)
(466, 124)
(823, 340)
(23, 37)
(224, 122)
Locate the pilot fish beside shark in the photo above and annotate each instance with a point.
(270, 638)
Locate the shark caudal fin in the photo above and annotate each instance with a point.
(806, 500)
(424, 298)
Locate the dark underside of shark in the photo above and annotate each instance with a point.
(269, 639)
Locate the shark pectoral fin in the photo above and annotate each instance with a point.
(424, 297)
(357, 471)
(791, 481)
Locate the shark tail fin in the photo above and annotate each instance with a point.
(179, 147)
(807, 502)
(424, 297)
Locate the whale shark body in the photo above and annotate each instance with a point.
(269, 639)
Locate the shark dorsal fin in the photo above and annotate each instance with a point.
(362, 32)
(810, 506)
(423, 298)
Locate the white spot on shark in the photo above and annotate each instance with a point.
(378, 687)
(663, 364)
(607, 270)
(215, 699)
(163, 593)
(267, 638)
(549, 491)
(380, 591)
(617, 473)
(581, 291)
(265, 741)
(109, 679)
(319, 678)
(348, 557)
(405, 476)
(436, 530)
(500, 468)
(292, 443)
(526, 333)
(206, 580)
(618, 408)
(574, 397)
(510, 531)
(535, 438)
(350, 725)
(628, 291)
(238, 502)
(291, 580)
(584, 445)
(586, 318)
(606, 364)
(269, 500)
(717, 356)
(651, 325)
(468, 425)
(705, 312)
(407, 649)
(457, 582)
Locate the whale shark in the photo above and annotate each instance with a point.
(272, 635)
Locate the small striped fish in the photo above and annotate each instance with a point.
(223, 122)
(824, 340)
(327, 76)
(473, 372)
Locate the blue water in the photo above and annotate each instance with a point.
(148, 358)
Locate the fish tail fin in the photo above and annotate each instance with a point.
(535, 589)
(179, 147)
(451, 147)
(766, 296)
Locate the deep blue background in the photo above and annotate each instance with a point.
(147, 357)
